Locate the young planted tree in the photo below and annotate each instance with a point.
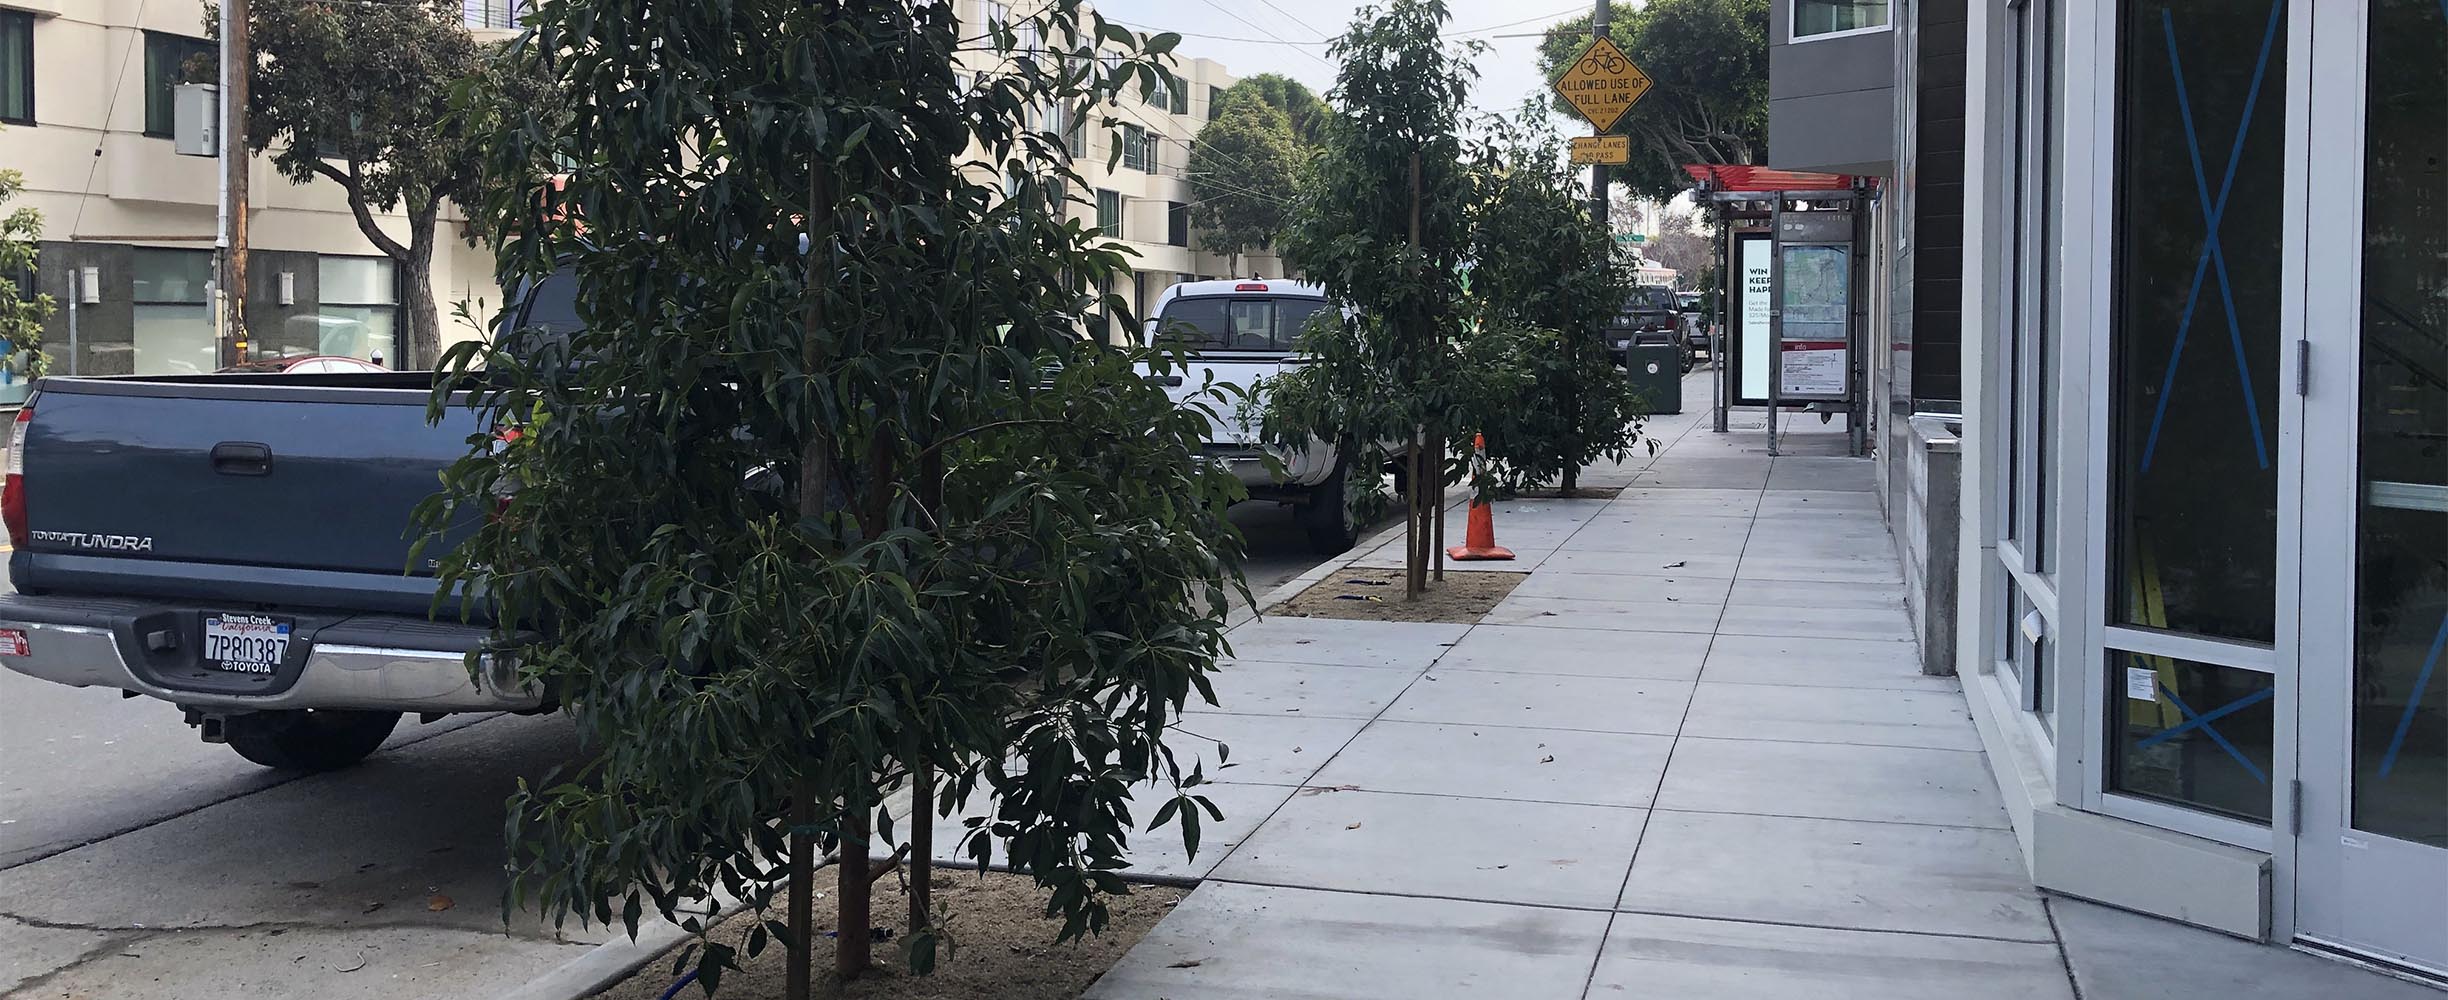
(832, 494)
(21, 314)
(1382, 222)
(1544, 282)
(1709, 59)
(1242, 173)
(359, 94)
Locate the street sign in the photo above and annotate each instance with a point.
(1602, 84)
(1616, 149)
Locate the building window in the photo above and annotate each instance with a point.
(357, 315)
(1138, 149)
(1109, 213)
(170, 60)
(1177, 223)
(2192, 549)
(492, 13)
(1060, 120)
(16, 67)
(173, 332)
(1815, 18)
(2028, 413)
(1215, 100)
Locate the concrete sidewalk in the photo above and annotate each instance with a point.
(1690, 757)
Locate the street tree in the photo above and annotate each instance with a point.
(360, 94)
(1382, 222)
(22, 314)
(830, 493)
(1679, 244)
(1301, 107)
(1242, 174)
(1708, 60)
(1544, 282)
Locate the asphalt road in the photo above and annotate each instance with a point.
(137, 861)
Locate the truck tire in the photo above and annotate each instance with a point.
(1328, 516)
(310, 739)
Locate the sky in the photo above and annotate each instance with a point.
(1243, 35)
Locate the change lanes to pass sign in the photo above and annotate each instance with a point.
(1602, 84)
(1615, 149)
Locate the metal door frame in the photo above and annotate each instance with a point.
(2348, 885)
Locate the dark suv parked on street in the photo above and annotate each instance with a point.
(1650, 317)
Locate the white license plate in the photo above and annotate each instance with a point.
(246, 644)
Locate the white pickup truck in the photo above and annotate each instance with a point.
(1242, 332)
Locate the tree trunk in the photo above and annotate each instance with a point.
(798, 976)
(851, 948)
(921, 846)
(421, 347)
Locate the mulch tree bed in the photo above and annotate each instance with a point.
(1003, 947)
(1376, 595)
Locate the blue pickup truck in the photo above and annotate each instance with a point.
(239, 546)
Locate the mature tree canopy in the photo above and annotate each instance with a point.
(1301, 108)
(1709, 61)
(1242, 174)
(361, 95)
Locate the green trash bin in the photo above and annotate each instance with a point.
(1657, 372)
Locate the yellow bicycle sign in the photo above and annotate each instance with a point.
(1602, 84)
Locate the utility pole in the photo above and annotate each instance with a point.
(237, 58)
(1601, 21)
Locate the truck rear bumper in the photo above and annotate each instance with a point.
(79, 642)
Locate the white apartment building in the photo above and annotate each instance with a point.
(1144, 199)
(86, 97)
(86, 92)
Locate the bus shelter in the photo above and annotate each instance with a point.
(1793, 250)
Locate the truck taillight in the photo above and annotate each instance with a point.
(12, 490)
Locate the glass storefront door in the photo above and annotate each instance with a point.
(2372, 857)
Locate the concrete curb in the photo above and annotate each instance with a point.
(611, 963)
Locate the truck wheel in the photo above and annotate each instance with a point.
(309, 740)
(1328, 516)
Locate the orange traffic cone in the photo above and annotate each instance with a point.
(1479, 540)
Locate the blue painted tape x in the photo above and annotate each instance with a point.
(2388, 761)
(2196, 720)
(2213, 253)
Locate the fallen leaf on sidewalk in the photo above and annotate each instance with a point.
(361, 963)
(371, 907)
(439, 903)
(1354, 826)
(1187, 963)
(1677, 564)
(1549, 759)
